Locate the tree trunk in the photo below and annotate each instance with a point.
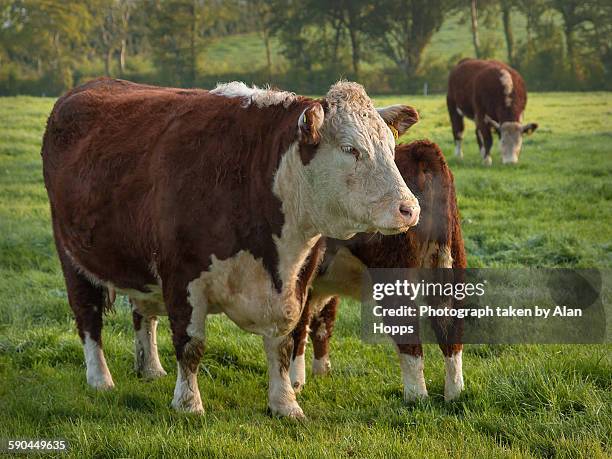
(266, 37)
(192, 45)
(474, 17)
(354, 50)
(338, 28)
(569, 42)
(122, 52)
(108, 61)
(508, 32)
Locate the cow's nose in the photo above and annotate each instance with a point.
(409, 212)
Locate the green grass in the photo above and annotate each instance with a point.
(554, 209)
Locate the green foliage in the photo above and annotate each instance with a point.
(553, 209)
(48, 46)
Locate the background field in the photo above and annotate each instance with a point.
(554, 209)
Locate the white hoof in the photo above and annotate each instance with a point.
(453, 390)
(152, 373)
(98, 375)
(287, 410)
(188, 402)
(413, 393)
(487, 161)
(186, 393)
(321, 367)
(453, 380)
(100, 382)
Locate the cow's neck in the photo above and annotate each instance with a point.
(298, 235)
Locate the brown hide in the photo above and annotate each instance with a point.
(475, 87)
(147, 182)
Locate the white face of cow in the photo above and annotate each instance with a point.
(511, 138)
(354, 183)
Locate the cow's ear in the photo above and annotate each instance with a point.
(530, 128)
(310, 123)
(399, 117)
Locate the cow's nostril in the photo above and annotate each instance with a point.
(406, 210)
(410, 213)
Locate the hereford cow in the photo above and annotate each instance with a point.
(194, 202)
(494, 96)
(436, 242)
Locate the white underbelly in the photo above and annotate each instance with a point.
(242, 288)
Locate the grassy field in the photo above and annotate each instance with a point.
(553, 209)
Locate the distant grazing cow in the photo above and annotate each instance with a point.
(494, 96)
(194, 202)
(436, 242)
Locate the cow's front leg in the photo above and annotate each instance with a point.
(281, 397)
(412, 366)
(485, 142)
(187, 320)
(453, 369)
(146, 358)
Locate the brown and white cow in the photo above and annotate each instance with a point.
(436, 242)
(194, 202)
(494, 96)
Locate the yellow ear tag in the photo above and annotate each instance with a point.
(395, 133)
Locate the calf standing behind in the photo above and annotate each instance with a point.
(194, 202)
(494, 96)
(436, 242)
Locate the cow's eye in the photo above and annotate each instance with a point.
(351, 150)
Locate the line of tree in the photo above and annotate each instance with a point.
(47, 46)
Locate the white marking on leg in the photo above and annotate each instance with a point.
(98, 375)
(147, 362)
(453, 380)
(322, 366)
(297, 373)
(413, 377)
(458, 149)
(186, 392)
(281, 397)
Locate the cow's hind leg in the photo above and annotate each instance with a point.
(321, 329)
(297, 368)
(281, 396)
(449, 331)
(146, 358)
(88, 301)
(187, 321)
